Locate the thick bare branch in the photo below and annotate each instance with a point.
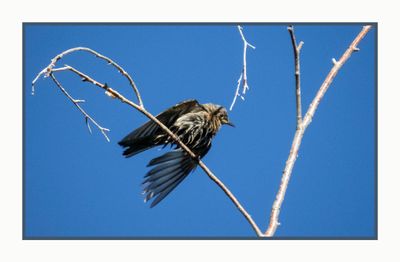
(276, 207)
(335, 69)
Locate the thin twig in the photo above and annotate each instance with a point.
(113, 93)
(47, 70)
(236, 92)
(76, 103)
(276, 207)
(296, 51)
(243, 75)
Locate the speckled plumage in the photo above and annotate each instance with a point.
(195, 124)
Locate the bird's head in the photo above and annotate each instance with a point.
(220, 114)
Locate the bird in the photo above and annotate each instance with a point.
(195, 125)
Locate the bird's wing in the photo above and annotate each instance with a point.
(170, 170)
(143, 137)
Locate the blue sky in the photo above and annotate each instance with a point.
(79, 185)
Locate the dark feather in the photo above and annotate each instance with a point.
(147, 136)
(194, 124)
(138, 146)
(170, 170)
(164, 158)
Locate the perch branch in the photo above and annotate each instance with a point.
(113, 93)
(47, 70)
(243, 75)
(274, 217)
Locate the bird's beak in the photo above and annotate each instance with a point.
(230, 124)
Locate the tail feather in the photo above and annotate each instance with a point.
(165, 192)
(164, 158)
(159, 171)
(164, 178)
(170, 170)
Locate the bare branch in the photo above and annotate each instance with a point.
(300, 45)
(243, 75)
(88, 125)
(296, 51)
(274, 217)
(113, 93)
(232, 198)
(237, 93)
(87, 116)
(335, 69)
(46, 71)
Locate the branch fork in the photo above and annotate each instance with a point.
(303, 123)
